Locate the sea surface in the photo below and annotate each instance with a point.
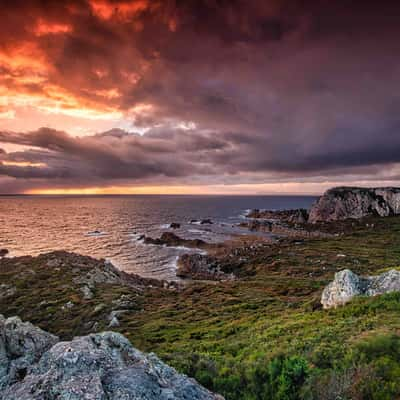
(109, 226)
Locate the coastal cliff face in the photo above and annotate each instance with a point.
(35, 365)
(348, 202)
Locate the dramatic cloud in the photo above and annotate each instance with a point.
(206, 92)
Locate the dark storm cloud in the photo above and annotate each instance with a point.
(231, 87)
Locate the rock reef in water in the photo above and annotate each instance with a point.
(351, 202)
(36, 366)
(170, 239)
(346, 285)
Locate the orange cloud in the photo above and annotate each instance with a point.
(23, 164)
(46, 28)
(122, 10)
(26, 56)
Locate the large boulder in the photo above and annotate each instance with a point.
(21, 345)
(347, 285)
(94, 367)
(349, 202)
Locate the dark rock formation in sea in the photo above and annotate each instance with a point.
(352, 202)
(203, 267)
(3, 252)
(36, 366)
(347, 285)
(205, 221)
(170, 239)
(174, 225)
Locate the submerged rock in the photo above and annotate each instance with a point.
(347, 285)
(98, 366)
(350, 202)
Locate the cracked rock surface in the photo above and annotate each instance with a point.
(35, 365)
(347, 285)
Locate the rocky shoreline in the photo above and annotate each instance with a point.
(225, 295)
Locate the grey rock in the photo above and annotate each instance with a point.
(114, 322)
(68, 305)
(99, 367)
(350, 202)
(87, 293)
(21, 345)
(7, 290)
(123, 301)
(99, 307)
(100, 272)
(347, 285)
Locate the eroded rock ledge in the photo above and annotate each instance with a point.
(296, 216)
(35, 365)
(347, 285)
(202, 267)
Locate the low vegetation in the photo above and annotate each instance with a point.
(263, 336)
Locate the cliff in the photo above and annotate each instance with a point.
(351, 202)
(35, 365)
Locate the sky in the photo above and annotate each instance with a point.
(198, 96)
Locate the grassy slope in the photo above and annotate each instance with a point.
(230, 335)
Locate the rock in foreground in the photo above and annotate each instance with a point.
(348, 202)
(98, 366)
(347, 285)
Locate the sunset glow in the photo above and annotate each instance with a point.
(133, 96)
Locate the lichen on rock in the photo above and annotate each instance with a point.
(347, 285)
(36, 366)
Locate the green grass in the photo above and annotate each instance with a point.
(261, 337)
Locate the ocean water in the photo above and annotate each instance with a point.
(109, 226)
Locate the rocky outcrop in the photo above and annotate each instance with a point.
(36, 366)
(21, 345)
(200, 266)
(347, 285)
(296, 216)
(170, 239)
(282, 229)
(349, 202)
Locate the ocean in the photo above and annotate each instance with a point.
(110, 226)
